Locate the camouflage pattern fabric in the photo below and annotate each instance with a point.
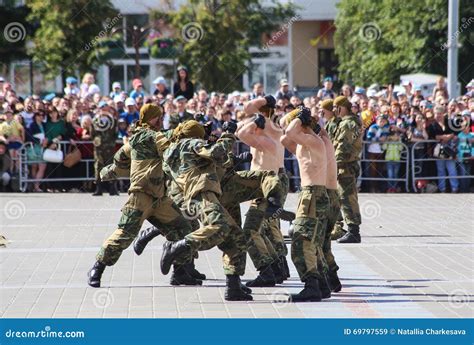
(120, 166)
(331, 127)
(160, 212)
(347, 188)
(348, 139)
(175, 119)
(146, 151)
(309, 228)
(329, 262)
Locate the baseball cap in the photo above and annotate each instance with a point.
(94, 88)
(417, 88)
(371, 93)
(49, 97)
(116, 85)
(180, 98)
(130, 101)
(405, 83)
(118, 99)
(327, 79)
(102, 104)
(359, 90)
(160, 80)
(469, 85)
(71, 80)
(283, 82)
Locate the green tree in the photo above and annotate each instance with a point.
(215, 37)
(377, 41)
(72, 34)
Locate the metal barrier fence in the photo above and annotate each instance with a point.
(416, 169)
(407, 158)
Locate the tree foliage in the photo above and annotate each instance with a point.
(377, 41)
(71, 33)
(216, 35)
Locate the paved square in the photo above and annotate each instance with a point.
(416, 260)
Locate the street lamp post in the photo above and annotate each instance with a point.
(452, 43)
(30, 46)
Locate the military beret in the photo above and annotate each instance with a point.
(327, 104)
(342, 101)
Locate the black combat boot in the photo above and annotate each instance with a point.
(95, 274)
(245, 289)
(193, 272)
(285, 267)
(98, 188)
(324, 287)
(276, 210)
(277, 271)
(180, 276)
(143, 238)
(171, 250)
(113, 188)
(233, 291)
(352, 235)
(266, 278)
(334, 282)
(310, 293)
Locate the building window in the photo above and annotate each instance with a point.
(327, 64)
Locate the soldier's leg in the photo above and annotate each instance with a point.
(332, 267)
(134, 213)
(347, 189)
(167, 217)
(305, 246)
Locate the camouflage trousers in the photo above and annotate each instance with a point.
(309, 229)
(160, 212)
(217, 229)
(265, 240)
(327, 263)
(102, 157)
(347, 188)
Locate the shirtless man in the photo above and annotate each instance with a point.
(311, 216)
(267, 251)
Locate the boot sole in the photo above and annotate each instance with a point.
(94, 285)
(304, 300)
(176, 283)
(260, 285)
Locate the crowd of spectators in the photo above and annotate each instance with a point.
(392, 120)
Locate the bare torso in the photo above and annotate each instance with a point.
(269, 159)
(312, 162)
(331, 178)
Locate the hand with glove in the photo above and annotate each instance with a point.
(304, 115)
(259, 120)
(229, 127)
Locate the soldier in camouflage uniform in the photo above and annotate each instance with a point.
(311, 217)
(262, 134)
(146, 201)
(191, 162)
(332, 122)
(104, 135)
(348, 146)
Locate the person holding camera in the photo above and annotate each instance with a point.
(441, 130)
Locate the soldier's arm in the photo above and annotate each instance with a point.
(346, 136)
(218, 151)
(120, 167)
(295, 133)
(254, 105)
(288, 143)
(162, 141)
(247, 134)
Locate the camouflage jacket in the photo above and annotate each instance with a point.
(331, 127)
(348, 139)
(146, 153)
(120, 166)
(175, 119)
(191, 163)
(104, 132)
